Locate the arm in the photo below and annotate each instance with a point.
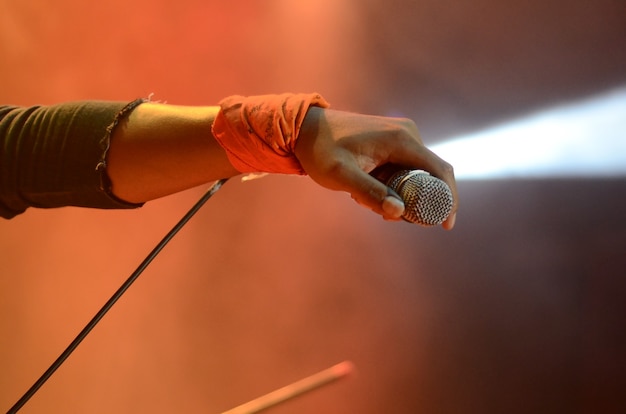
(107, 155)
(162, 149)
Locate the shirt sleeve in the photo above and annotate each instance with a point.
(55, 156)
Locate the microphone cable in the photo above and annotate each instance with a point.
(116, 296)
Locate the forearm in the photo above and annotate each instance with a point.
(163, 149)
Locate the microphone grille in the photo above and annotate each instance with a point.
(427, 199)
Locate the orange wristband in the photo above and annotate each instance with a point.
(259, 133)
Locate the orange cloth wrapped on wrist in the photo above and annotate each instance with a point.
(259, 133)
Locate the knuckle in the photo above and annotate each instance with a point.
(447, 168)
(375, 193)
(409, 130)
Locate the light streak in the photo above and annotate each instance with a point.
(579, 139)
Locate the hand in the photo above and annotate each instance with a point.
(339, 149)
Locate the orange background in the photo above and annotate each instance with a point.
(518, 310)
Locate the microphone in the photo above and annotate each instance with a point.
(427, 199)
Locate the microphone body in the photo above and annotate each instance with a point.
(427, 200)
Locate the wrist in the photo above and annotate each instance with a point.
(259, 133)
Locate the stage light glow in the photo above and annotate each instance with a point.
(580, 139)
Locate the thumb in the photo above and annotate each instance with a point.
(373, 194)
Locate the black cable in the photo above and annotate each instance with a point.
(107, 306)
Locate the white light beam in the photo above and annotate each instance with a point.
(582, 139)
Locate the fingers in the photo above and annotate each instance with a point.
(415, 155)
(371, 193)
(339, 150)
(445, 172)
(392, 205)
(368, 188)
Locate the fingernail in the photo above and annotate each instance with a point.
(393, 206)
(451, 221)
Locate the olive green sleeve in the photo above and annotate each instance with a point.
(55, 156)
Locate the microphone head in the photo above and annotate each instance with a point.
(427, 199)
